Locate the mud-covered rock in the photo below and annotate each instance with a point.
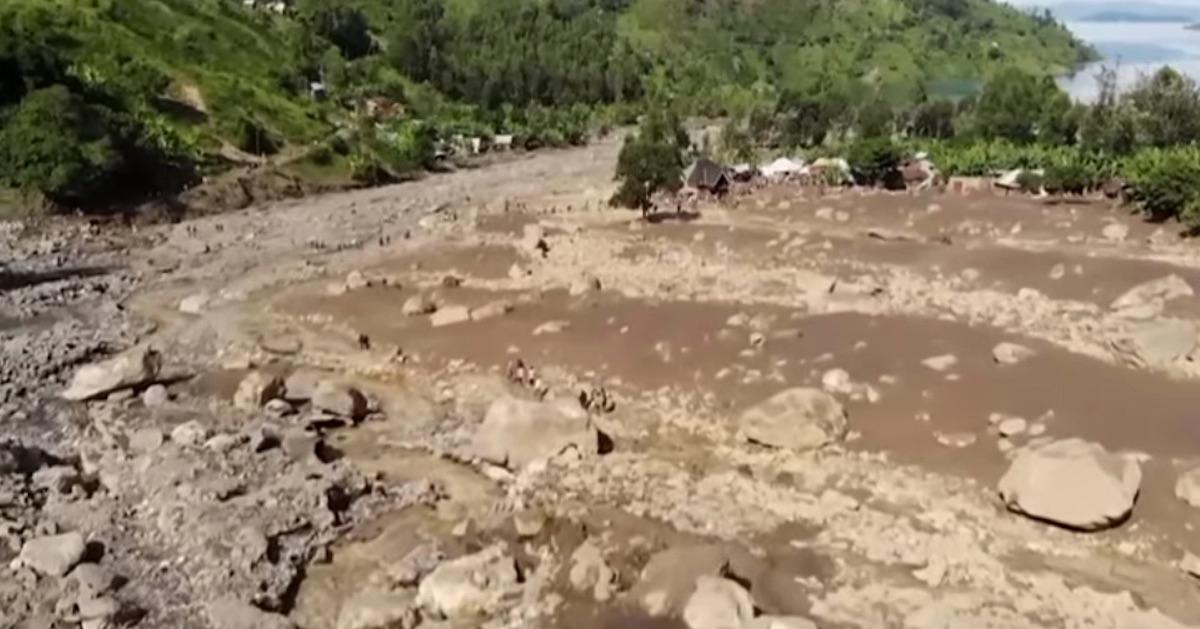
(372, 609)
(340, 399)
(450, 315)
(1187, 487)
(135, 367)
(1073, 483)
(470, 586)
(669, 577)
(517, 432)
(1154, 293)
(795, 419)
(718, 603)
(53, 555)
(1158, 343)
(256, 389)
(1007, 353)
(418, 305)
(589, 572)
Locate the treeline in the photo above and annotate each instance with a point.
(1144, 138)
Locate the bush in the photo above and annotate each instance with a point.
(873, 160)
(1166, 183)
(1072, 175)
(1030, 181)
(321, 155)
(76, 153)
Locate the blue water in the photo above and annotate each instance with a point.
(1135, 49)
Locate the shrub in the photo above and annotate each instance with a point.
(1072, 175)
(1166, 183)
(873, 160)
(1030, 181)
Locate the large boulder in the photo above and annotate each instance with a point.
(1073, 483)
(517, 432)
(53, 555)
(256, 389)
(1159, 342)
(718, 603)
(1011, 353)
(669, 577)
(341, 400)
(372, 609)
(1157, 291)
(1187, 487)
(794, 419)
(135, 367)
(470, 586)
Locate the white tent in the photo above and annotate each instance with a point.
(782, 167)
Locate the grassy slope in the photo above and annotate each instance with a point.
(788, 42)
(229, 55)
(213, 47)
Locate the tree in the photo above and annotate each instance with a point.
(1010, 105)
(1059, 121)
(344, 26)
(1168, 108)
(874, 160)
(934, 120)
(875, 119)
(1109, 125)
(416, 38)
(651, 160)
(57, 145)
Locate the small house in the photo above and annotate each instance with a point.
(709, 176)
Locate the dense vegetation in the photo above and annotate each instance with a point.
(104, 100)
(1145, 140)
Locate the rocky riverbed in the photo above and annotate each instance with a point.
(487, 400)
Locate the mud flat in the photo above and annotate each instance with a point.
(487, 400)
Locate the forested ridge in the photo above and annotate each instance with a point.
(106, 100)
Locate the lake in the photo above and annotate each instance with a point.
(1135, 49)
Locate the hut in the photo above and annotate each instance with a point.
(708, 176)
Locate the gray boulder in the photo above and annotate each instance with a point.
(517, 432)
(53, 555)
(718, 603)
(340, 399)
(795, 419)
(1159, 342)
(256, 389)
(1073, 483)
(1187, 487)
(471, 586)
(1156, 292)
(372, 609)
(135, 367)
(301, 384)
(1011, 353)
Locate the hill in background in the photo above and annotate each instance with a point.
(177, 88)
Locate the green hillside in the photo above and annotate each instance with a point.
(165, 87)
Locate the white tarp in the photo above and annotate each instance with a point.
(1008, 179)
(782, 167)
